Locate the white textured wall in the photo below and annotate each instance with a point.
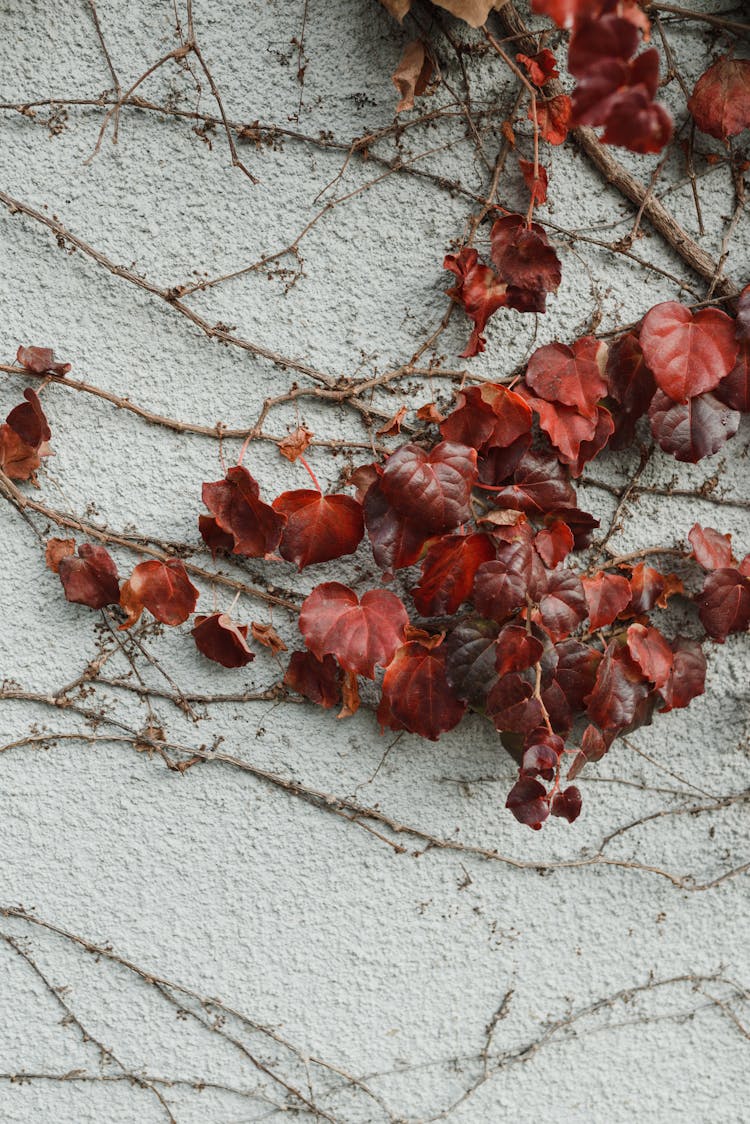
(387, 966)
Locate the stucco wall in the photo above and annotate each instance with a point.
(382, 967)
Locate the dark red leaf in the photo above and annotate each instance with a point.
(236, 505)
(41, 360)
(540, 484)
(527, 800)
(395, 539)
(540, 67)
(607, 595)
(318, 528)
(479, 291)
(563, 606)
(724, 603)
(213, 536)
(524, 256)
(448, 573)
(91, 578)
(516, 649)
(593, 40)
(470, 660)
(432, 489)
(500, 587)
(594, 745)
(360, 634)
(734, 388)
(567, 803)
(511, 706)
(417, 695)
(650, 588)
(29, 422)
(652, 652)
(694, 429)
(542, 751)
(588, 450)
(487, 416)
(638, 123)
(318, 680)
(161, 587)
(688, 677)
(619, 690)
(566, 428)
(577, 667)
(631, 385)
(554, 543)
(720, 103)
(219, 639)
(689, 353)
(571, 375)
(711, 550)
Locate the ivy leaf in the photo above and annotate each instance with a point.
(318, 680)
(573, 375)
(56, 550)
(540, 485)
(540, 67)
(689, 353)
(577, 667)
(318, 528)
(487, 416)
(607, 595)
(479, 292)
(694, 429)
(565, 426)
(412, 74)
(527, 800)
(500, 586)
(631, 385)
(724, 603)
(296, 443)
(541, 754)
(219, 639)
(470, 660)
(516, 649)
(91, 578)
(448, 572)
(651, 588)
(511, 706)
(567, 803)
(619, 689)
(236, 506)
(432, 489)
(563, 606)
(524, 256)
(652, 652)
(687, 679)
(360, 634)
(18, 460)
(594, 745)
(720, 103)
(161, 587)
(607, 37)
(711, 550)
(554, 543)
(734, 388)
(537, 181)
(417, 696)
(28, 420)
(554, 118)
(395, 539)
(215, 539)
(41, 360)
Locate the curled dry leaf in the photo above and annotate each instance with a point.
(412, 74)
(91, 578)
(267, 635)
(479, 291)
(56, 550)
(221, 640)
(474, 12)
(161, 587)
(393, 425)
(41, 360)
(24, 438)
(295, 444)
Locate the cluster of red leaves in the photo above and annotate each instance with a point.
(527, 268)
(502, 624)
(615, 88)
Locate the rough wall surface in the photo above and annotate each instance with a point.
(358, 984)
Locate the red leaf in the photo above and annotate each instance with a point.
(318, 680)
(478, 291)
(236, 505)
(500, 587)
(594, 745)
(567, 803)
(566, 428)
(688, 677)
(487, 416)
(711, 550)
(523, 255)
(395, 539)
(516, 649)
(554, 118)
(540, 484)
(566, 12)
(318, 528)
(432, 489)
(734, 388)
(689, 353)
(554, 543)
(595, 40)
(542, 751)
(161, 587)
(638, 123)
(720, 103)
(91, 579)
(571, 375)
(537, 184)
(651, 652)
(743, 315)
(448, 573)
(588, 450)
(650, 588)
(57, 549)
(29, 422)
(221, 640)
(527, 800)
(511, 707)
(360, 634)
(540, 67)
(724, 603)
(607, 595)
(563, 606)
(619, 690)
(213, 536)
(694, 429)
(631, 385)
(577, 667)
(417, 695)
(41, 360)
(18, 460)
(470, 660)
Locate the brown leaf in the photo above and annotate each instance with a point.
(430, 413)
(267, 635)
(57, 549)
(349, 696)
(475, 12)
(393, 426)
(296, 443)
(412, 74)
